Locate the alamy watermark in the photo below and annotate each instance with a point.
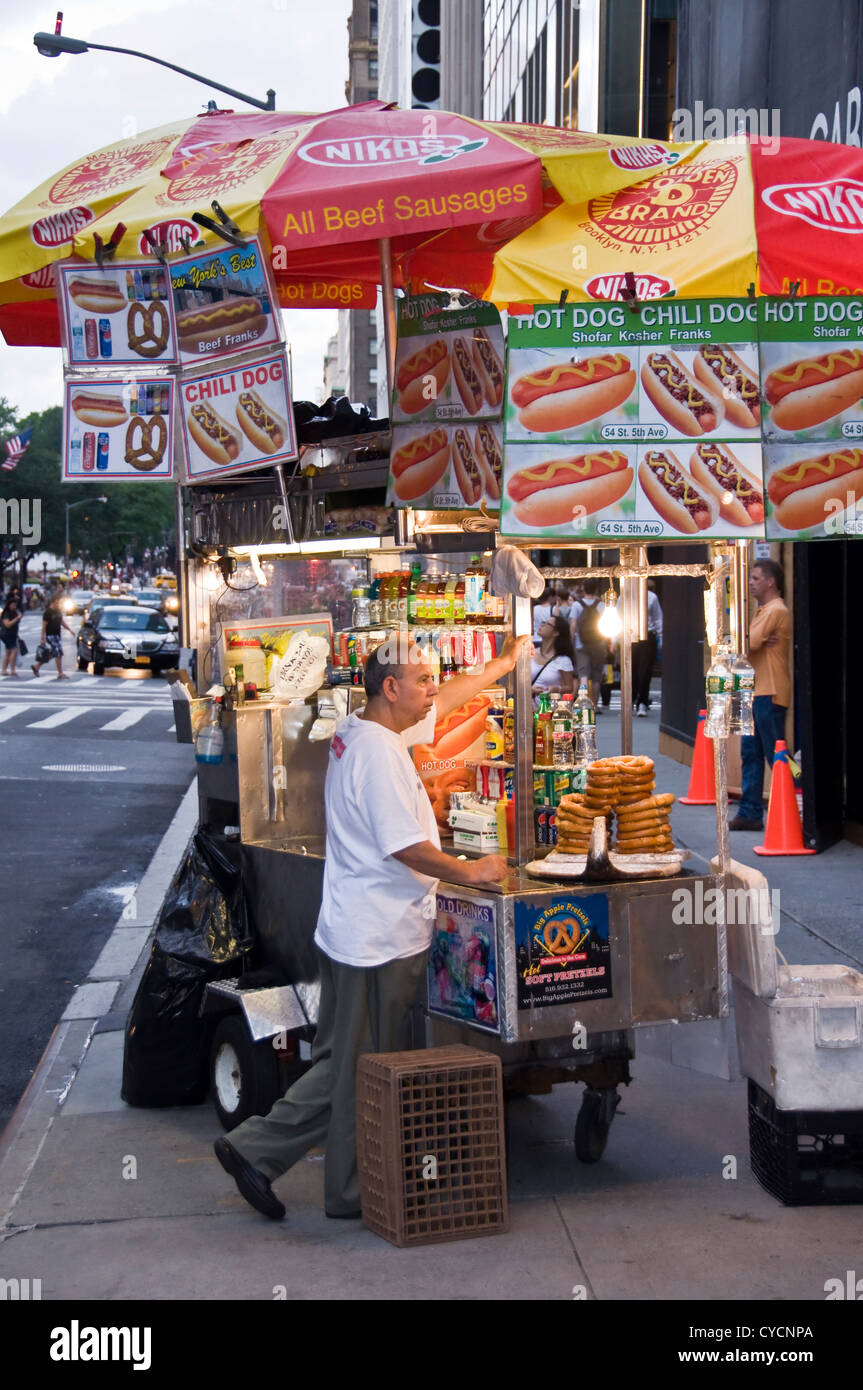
(758, 124)
(21, 516)
(706, 907)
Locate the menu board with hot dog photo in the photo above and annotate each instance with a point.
(118, 315)
(446, 466)
(238, 418)
(224, 303)
(449, 362)
(118, 429)
(812, 375)
(633, 424)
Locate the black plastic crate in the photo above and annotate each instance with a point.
(806, 1157)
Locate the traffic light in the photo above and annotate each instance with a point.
(425, 54)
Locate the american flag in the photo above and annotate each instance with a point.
(15, 449)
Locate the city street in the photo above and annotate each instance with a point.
(92, 778)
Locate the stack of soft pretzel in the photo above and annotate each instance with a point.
(624, 787)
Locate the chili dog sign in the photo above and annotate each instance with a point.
(812, 375)
(634, 425)
(237, 419)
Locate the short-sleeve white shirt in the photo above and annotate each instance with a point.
(374, 908)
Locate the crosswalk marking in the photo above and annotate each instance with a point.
(125, 720)
(62, 716)
(7, 711)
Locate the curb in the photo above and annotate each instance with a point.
(120, 958)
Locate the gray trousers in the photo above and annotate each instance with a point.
(361, 1010)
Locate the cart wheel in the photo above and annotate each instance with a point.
(245, 1076)
(593, 1123)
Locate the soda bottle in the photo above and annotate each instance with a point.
(742, 696)
(474, 592)
(561, 733)
(509, 732)
(404, 583)
(390, 590)
(450, 600)
(720, 686)
(376, 615)
(543, 744)
(458, 601)
(413, 592)
(583, 711)
(440, 602)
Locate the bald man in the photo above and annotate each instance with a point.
(383, 862)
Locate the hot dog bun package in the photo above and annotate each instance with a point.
(237, 417)
(447, 449)
(812, 383)
(120, 314)
(643, 425)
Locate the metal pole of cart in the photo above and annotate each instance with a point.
(389, 309)
(720, 747)
(626, 612)
(524, 747)
(182, 568)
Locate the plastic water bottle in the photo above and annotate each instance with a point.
(210, 742)
(742, 696)
(585, 714)
(561, 732)
(720, 686)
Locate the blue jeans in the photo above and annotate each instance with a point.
(754, 748)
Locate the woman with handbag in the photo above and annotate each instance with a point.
(10, 619)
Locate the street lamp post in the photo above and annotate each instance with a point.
(52, 45)
(85, 502)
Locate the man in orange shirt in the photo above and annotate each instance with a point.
(770, 654)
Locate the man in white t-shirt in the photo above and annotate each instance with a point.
(383, 862)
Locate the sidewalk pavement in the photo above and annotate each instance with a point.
(101, 1201)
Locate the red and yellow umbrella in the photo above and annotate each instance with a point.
(440, 192)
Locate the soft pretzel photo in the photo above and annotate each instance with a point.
(147, 328)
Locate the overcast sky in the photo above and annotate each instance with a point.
(54, 109)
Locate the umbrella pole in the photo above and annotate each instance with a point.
(389, 307)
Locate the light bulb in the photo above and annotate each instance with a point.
(609, 620)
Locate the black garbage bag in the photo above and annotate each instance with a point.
(203, 934)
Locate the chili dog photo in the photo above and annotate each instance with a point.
(466, 377)
(419, 464)
(811, 390)
(687, 405)
(422, 376)
(239, 418)
(94, 408)
(97, 296)
(738, 492)
(466, 467)
(810, 492)
(560, 492)
(489, 367)
(267, 430)
(720, 369)
(556, 398)
(488, 450)
(673, 494)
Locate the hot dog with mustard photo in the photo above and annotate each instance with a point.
(680, 398)
(563, 490)
(810, 491)
(422, 372)
(557, 392)
(811, 388)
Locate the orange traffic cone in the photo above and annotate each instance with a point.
(784, 833)
(702, 791)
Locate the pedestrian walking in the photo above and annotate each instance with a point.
(10, 620)
(591, 647)
(644, 654)
(51, 636)
(383, 861)
(770, 654)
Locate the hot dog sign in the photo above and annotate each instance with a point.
(622, 425)
(223, 303)
(118, 315)
(118, 429)
(237, 419)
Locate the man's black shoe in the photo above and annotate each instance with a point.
(250, 1182)
(742, 823)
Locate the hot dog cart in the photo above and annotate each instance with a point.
(576, 1021)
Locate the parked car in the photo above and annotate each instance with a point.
(127, 636)
(76, 601)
